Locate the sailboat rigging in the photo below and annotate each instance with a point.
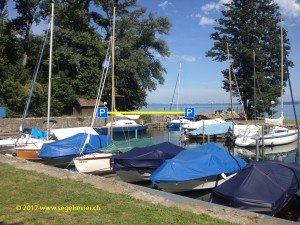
(50, 69)
(119, 126)
(275, 133)
(113, 101)
(178, 122)
(31, 150)
(28, 135)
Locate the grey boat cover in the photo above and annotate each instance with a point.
(262, 187)
(150, 157)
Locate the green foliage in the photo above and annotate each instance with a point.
(137, 70)
(82, 30)
(250, 27)
(146, 118)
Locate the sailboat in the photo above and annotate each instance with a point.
(100, 162)
(194, 125)
(176, 123)
(214, 129)
(203, 167)
(265, 187)
(60, 153)
(274, 133)
(31, 149)
(137, 164)
(27, 146)
(29, 135)
(123, 125)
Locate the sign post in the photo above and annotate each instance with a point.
(189, 113)
(102, 112)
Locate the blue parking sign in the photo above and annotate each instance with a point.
(189, 112)
(102, 112)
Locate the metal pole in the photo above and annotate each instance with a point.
(203, 131)
(263, 143)
(113, 104)
(257, 149)
(230, 84)
(50, 70)
(254, 94)
(281, 106)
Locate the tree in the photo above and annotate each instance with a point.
(82, 34)
(28, 15)
(137, 69)
(252, 27)
(82, 29)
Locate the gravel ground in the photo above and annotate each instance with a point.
(114, 185)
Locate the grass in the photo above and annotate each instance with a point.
(33, 190)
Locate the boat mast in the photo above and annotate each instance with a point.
(50, 68)
(254, 94)
(230, 83)
(281, 34)
(179, 74)
(113, 104)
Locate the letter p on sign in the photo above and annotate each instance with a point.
(189, 112)
(102, 112)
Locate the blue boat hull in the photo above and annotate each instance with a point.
(174, 125)
(104, 130)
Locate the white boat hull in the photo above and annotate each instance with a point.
(133, 176)
(62, 133)
(178, 123)
(11, 142)
(269, 140)
(195, 125)
(30, 151)
(93, 163)
(192, 185)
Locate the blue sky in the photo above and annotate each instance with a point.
(189, 39)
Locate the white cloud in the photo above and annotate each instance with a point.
(188, 58)
(289, 8)
(209, 8)
(206, 21)
(214, 6)
(197, 15)
(164, 4)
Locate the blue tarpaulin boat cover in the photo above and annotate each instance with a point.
(203, 161)
(79, 144)
(36, 133)
(212, 129)
(150, 157)
(262, 187)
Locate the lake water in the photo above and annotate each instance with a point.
(285, 153)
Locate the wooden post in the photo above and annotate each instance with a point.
(263, 143)
(203, 132)
(257, 150)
